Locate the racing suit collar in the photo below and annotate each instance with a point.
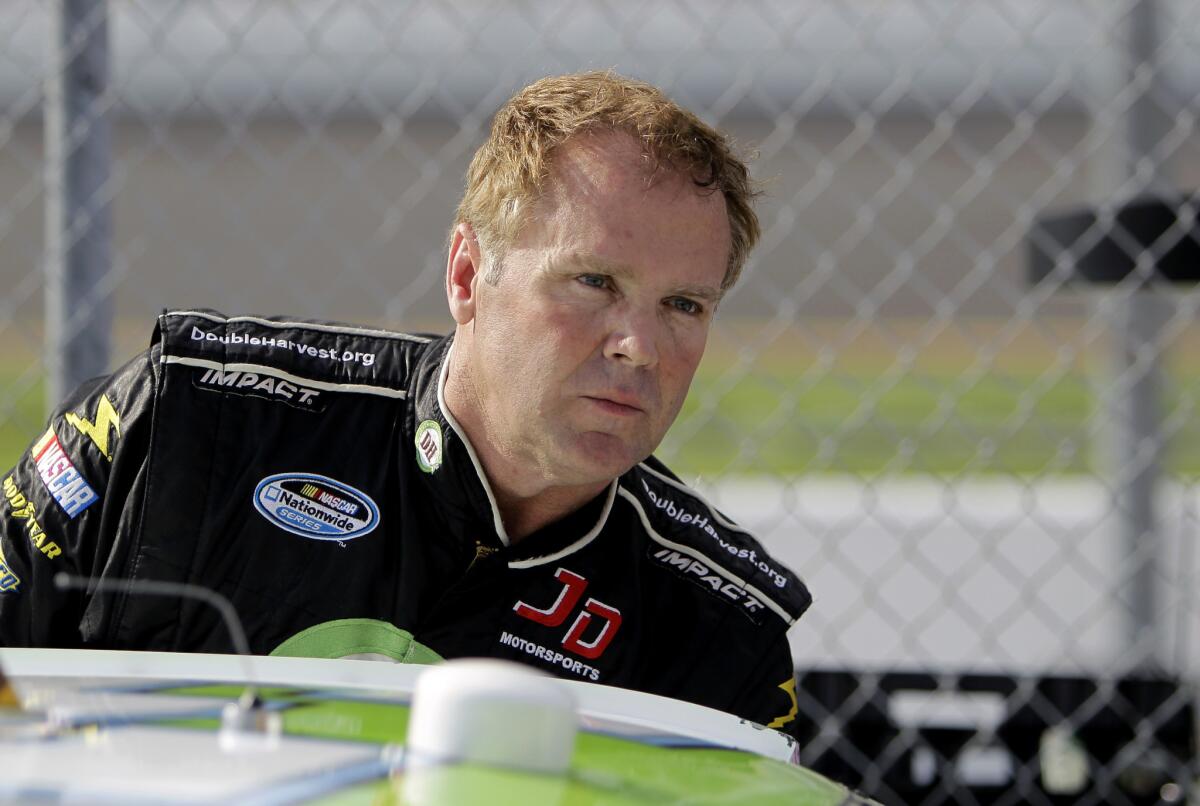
(448, 418)
(461, 482)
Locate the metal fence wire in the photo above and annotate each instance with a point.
(985, 472)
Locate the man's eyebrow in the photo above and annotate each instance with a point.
(589, 263)
(704, 292)
(617, 269)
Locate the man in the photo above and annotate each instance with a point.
(363, 493)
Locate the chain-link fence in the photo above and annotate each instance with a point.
(986, 480)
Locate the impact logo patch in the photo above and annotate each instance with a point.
(709, 579)
(69, 488)
(315, 506)
(265, 387)
(429, 445)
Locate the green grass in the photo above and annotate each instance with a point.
(768, 418)
(22, 416)
(767, 421)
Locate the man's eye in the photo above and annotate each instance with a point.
(684, 305)
(593, 280)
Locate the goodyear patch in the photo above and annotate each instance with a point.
(315, 506)
(66, 484)
(21, 508)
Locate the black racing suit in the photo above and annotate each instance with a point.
(310, 473)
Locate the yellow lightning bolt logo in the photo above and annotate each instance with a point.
(97, 430)
(789, 688)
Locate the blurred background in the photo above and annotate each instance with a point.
(985, 474)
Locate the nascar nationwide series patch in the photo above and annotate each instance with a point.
(314, 506)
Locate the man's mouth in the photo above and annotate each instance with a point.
(616, 404)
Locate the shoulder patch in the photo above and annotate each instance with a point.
(697, 541)
(105, 421)
(61, 479)
(22, 509)
(313, 354)
(258, 384)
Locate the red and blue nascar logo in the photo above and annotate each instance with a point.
(66, 484)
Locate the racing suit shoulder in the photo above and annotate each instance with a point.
(688, 529)
(750, 672)
(250, 408)
(347, 356)
(64, 501)
(106, 489)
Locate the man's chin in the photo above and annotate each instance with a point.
(597, 457)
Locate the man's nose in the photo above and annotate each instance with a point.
(633, 338)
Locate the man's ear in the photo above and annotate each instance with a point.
(464, 269)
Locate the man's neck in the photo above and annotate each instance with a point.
(524, 516)
(525, 500)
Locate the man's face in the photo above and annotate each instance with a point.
(582, 353)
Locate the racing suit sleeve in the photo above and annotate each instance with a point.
(769, 695)
(67, 506)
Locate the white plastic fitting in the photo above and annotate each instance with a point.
(491, 712)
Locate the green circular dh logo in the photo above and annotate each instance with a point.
(429, 445)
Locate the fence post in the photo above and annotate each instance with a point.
(1135, 403)
(78, 228)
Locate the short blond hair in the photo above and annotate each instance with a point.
(509, 170)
